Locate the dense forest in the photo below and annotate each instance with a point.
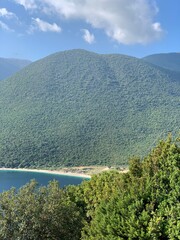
(143, 203)
(81, 108)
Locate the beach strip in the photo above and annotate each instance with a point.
(58, 172)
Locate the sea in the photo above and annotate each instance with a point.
(13, 178)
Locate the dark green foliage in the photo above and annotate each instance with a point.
(169, 61)
(10, 66)
(149, 206)
(39, 214)
(100, 187)
(82, 108)
(135, 167)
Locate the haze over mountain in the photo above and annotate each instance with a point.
(169, 61)
(80, 108)
(9, 66)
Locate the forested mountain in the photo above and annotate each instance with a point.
(77, 107)
(9, 66)
(169, 61)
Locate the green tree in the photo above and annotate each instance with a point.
(148, 207)
(39, 213)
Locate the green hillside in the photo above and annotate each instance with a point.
(10, 66)
(82, 108)
(169, 61)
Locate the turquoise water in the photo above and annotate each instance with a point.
(11, 178)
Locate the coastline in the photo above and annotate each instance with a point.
(58, 172)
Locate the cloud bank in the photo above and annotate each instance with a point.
(124, 21)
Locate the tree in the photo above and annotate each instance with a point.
(149, 207)
(39, 213)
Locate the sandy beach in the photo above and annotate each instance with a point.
(59, 172)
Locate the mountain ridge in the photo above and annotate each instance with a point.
(82, 108)
(9, 66)
(170, 61)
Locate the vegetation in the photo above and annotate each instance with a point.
(141, 204)
(10, 66)
(144, 204)
(79, 108)
(39, 213)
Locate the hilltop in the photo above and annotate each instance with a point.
(82, 108)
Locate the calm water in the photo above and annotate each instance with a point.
(9, 178)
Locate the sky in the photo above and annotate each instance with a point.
(33, 29)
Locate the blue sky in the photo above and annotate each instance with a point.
(33, 29)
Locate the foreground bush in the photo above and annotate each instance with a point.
(39, 213)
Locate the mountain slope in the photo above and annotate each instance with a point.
(78, 107)
(169, 61)
(10, 66)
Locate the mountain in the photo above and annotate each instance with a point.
(80, 108)
(9, 66)
(169, 61)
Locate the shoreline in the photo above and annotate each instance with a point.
(58, 172)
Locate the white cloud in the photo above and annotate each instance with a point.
(88, 37)
(4, 26)
(45, 26)
(5, 13)
(157, 27)
(125, 21)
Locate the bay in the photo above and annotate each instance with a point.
(12, 178)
